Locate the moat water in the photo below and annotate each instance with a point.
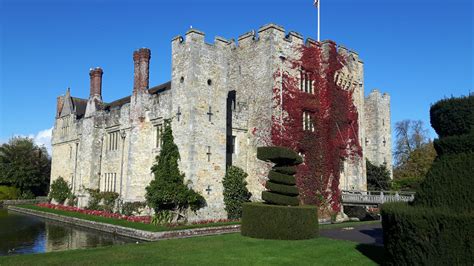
(26, 234)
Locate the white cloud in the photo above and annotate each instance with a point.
(43, 138)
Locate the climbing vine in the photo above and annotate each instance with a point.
(333, 135)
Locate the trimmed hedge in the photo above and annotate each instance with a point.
(454, 144)
(454, 116)
(279, 155)
(287, 170)
(449, 183)
(279, 222)
(427, 236)
(275, 198)
(281, 178)
(282, 189)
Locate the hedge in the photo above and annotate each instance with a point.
(279, 222)
(279, 155)
(454, 116)
(454, 144)
(287, 170)
(275, 198)
(281, 178)
(282, 189)
(9, 193)
(427, 236)
(449, 183)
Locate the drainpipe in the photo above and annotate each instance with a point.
(75, 170)
(123, 134)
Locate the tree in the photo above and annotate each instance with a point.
(410, 135)
(167, 191)
(378, 177)
(26, 166)
(409, 174)
(60, 190)
(235, 191)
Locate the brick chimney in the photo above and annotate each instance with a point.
(96, 82)
(141, 61)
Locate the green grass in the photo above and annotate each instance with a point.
(134, 225)
(231, 249)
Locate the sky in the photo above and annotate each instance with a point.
(418, 51)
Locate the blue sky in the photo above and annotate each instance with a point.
(419, 51)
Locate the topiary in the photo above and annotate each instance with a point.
(59, 190)
(235, 191)
(167, 191)
(280, 217)
(437, 228)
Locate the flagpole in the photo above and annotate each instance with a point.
(319, 20)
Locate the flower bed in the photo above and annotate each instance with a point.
(136, 219)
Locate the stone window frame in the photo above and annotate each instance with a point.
(306, 83)
(112, 139)
(156, 123)
(110, 182)
(308, 123)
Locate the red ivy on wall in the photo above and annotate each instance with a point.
(334, 135)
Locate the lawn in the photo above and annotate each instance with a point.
(232, 249)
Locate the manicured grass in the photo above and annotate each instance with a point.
(231, 249)
(140, 226)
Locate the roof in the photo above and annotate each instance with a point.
(154, 90)
(79, 105)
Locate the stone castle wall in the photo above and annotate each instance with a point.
(220, 95)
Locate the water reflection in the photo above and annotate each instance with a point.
(24, 234)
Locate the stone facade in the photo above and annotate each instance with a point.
(220, 100)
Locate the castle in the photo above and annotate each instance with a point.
(221, 101)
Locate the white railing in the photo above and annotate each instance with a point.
(375, 197)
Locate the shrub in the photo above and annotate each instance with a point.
(130, 208)
(72, 200)
(454, 144)
(281, 178)
(406, 184)
(454, 116)
(60, 190)
(449, 183)
(167, 191)
(287, 170)
(235, 191)
(279, 199)
(102, 200)
(8, 193)
(279, 155)
(378, 177)
(279, 222)
(427, 236)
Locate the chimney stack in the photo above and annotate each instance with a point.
(141, 61)
(96, 82)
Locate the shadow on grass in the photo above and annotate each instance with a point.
(375, 233)
(373, 252)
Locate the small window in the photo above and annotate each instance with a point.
(112, 140)
(158, 135)
(306, 82)
(181, 80)
(308, 124)
(209, 82)
(233, 144)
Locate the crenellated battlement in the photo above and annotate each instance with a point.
(268, 31)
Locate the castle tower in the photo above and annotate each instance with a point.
(378, 139)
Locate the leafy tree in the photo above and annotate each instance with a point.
(25, 165)
(378, 177)
(60, 190)
(167, 191)
(235, 191)
(410, 135)
(409, 174)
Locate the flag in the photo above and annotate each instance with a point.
(316, 2)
